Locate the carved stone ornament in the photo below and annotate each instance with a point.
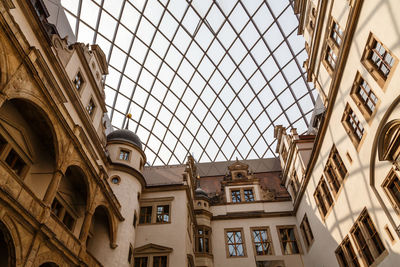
(64, 51)
(268, 195)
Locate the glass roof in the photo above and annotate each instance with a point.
(209, 78)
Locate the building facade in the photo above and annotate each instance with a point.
(72, 195)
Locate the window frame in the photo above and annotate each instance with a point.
(65, 209)
(226, 230)
(349, 113)
(127, 151)
(307, 234)
(141, 257)
(294, 184)
(332, 172)
(242, 194)
(91, 111)
(349, 254)
(198, 236)
(391, 176)
(154, 203)
(371, 67)
(370, 245)
(358, 99)
(150, 258)
(83, 81)
(322, 186)
(269, 240)
(296, 236)
(333, 30)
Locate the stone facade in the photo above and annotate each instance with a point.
(72, 196)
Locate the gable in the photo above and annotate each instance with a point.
(152, 249)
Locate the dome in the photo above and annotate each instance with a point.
(200, 192)
(125, 136)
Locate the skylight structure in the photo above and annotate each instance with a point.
(209, 78)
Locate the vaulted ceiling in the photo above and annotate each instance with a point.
(209, 78)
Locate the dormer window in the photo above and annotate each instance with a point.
(78, 81)
(91, 107)
(124, 155)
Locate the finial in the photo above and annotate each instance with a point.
(129, 116)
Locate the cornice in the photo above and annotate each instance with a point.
(317, 38)
(252, 214)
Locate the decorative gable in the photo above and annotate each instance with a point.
(152, 249)
(239, 170)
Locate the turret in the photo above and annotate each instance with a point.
(125, 165)
(124, 147)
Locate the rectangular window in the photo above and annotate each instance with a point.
(78, 81)
(367, 96)
(236, 196)
(331, 57)
(61, 212)
(140, 262)
(306, 231)
(294, 184)
(56, 207)
(262, 241)
(335, 171)
(378, 60)
(162, 214)
(145, 215)
(235, 243)
(288, 239)
(91, 107)
(15, 162)
(69, 221)
(124, 155)
(323, 198)
(202, 239)
(367, 239)
(353, 125)
(381, 58)
(391, 186)
(345, 254)
(160, 261)
(336, 33)
(248, 195)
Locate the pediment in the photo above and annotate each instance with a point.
(19, 136)
(238, 166)
(152, 249)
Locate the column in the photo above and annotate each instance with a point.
(52, 188)
(86, 227)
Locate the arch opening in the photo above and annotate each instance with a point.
(7, 250)
(28, 143)
(71, 200)
(48, 264)
(100, 234)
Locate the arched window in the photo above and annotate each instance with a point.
(389, 142)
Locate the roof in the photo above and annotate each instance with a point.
(221, 168)
(164, 175)
(125, 136)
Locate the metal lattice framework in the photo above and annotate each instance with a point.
(207, 77)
